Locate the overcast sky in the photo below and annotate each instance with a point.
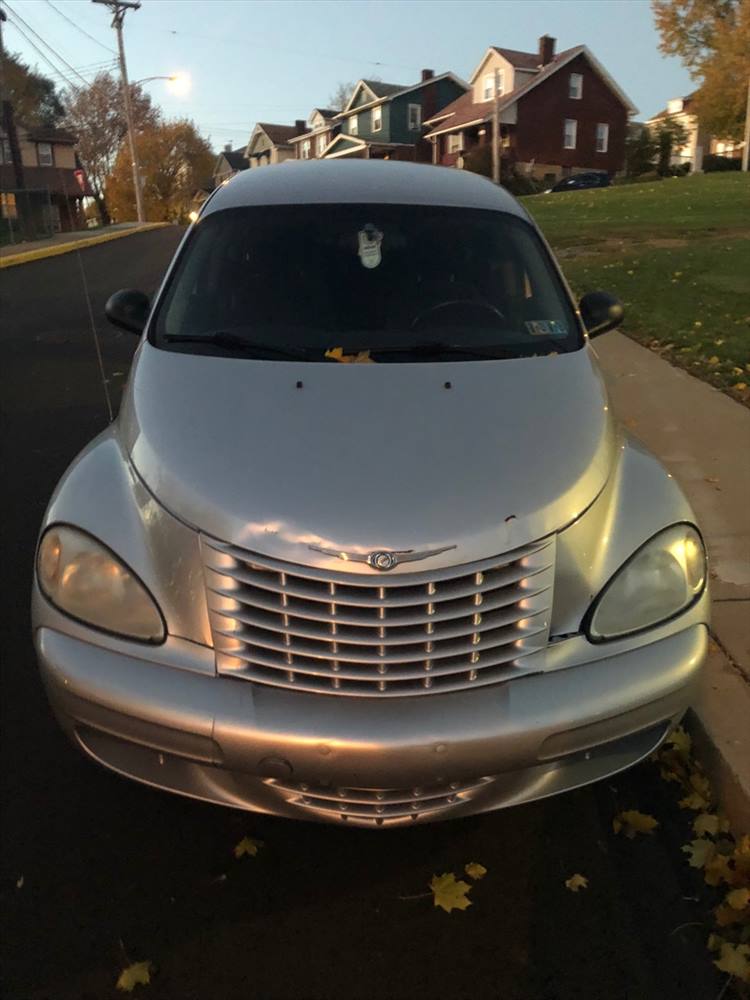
(274, 61)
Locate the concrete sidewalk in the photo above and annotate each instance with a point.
(31, 250)
(703, 437)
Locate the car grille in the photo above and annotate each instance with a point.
(367, 634)
(377, 806)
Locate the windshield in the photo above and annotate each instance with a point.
(372, 282)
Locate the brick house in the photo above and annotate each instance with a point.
(53, 183)
(270, 143)
(323, 126)
(385, 120)
(559, 113)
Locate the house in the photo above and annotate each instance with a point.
(384, 120)
(271, 143)
(323, 126)
(559, 113)
(699, 140)
(228, 163)
(43, 185)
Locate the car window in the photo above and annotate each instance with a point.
(371, 277)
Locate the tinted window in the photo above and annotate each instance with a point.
(380, 277)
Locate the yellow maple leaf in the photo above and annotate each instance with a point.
(727, 915)
(713, 360)
(738, 899)
(630, 822)
(740, 385)
(715, 941)
(137, 974)
(701, 852)
(717, 870)
(709, 823)
(448, 893)
(699, 798)
(735, 960)
(475, 870)
(248, 845)
(361, 358)
(576, 882)
(681, 740)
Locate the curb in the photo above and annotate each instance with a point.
(12, 260)
(720, 726)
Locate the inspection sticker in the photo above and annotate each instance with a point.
(546, 328)
(369, 246)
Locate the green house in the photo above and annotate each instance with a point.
(384, 120)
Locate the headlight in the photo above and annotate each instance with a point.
(81, 577)
(663, 578)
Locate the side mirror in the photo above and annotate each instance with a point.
(600, 312)
(128, 309)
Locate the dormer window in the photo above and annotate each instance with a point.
(44, 154)
(351, 121)
(377, 118)
(575, 86)
(489, 84)
(415, 117)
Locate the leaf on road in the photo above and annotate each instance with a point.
(448, 893)
(576, 882)
(735, 960)
(738, 899)
(137, 974)
(475, 870)
(727, 915)
(709, 823)
(701, 852)
(700, 793)
(248, 845)
(717, 870)
(680, 740)
(715, 941)
(631, 822)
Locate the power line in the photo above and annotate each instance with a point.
(46, 44)
(79, 28)
(44, 56)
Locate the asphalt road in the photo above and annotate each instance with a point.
(97, 870)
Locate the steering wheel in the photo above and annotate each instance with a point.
(471, 304)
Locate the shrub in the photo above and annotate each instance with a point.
(713, 162)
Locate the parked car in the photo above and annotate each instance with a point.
(591, 179)
(366, 543)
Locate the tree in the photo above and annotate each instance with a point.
(712, 37)
(175, 160)
(34, 98)
(340, 96)
(97, 116)
(640, 151)
(669, 136)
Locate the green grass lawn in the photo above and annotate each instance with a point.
(677, 252)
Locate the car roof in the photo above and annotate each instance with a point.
(364, 181)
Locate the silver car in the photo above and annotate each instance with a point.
(366, 543)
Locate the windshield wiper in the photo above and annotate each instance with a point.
(430, 348)
(233, 341)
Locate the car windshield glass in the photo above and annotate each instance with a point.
(325, 282)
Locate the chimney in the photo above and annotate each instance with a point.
(301, 126)
(427, 74)
(546, 49)
(227, 147)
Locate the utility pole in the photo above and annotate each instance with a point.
(496, 128)
(119, 8)
(746, 148)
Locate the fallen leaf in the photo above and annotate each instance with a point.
(714, 943)
(727, 915)
(137, 974)
(735, 960)
(709, 823)
(681, 740)
(700, 797)
(700, 851)
(448, 893)
(717, 870)
(248, 845)
(713, 360)
(631, 822)
(738, 899)
(475, 870)
(710, 479)
(19, 882)
(361, 358)
(576, 882)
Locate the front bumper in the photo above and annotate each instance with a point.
(160, 715)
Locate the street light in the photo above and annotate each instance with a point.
(180, 82)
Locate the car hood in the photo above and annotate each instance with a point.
(276, 457)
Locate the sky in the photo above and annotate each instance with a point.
(275, 60)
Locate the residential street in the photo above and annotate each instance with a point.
(98, 872)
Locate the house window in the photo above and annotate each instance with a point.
(570, 133)
(320, 144)
(415, 117)
(6, 153)
(306, 146)
(602, 137)
(575, 86)
(352, 122)
(8, 205)
(44, 154)
(455, 142)
(377, 118)
(489, 85)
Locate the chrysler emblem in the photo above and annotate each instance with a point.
(382, 559)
